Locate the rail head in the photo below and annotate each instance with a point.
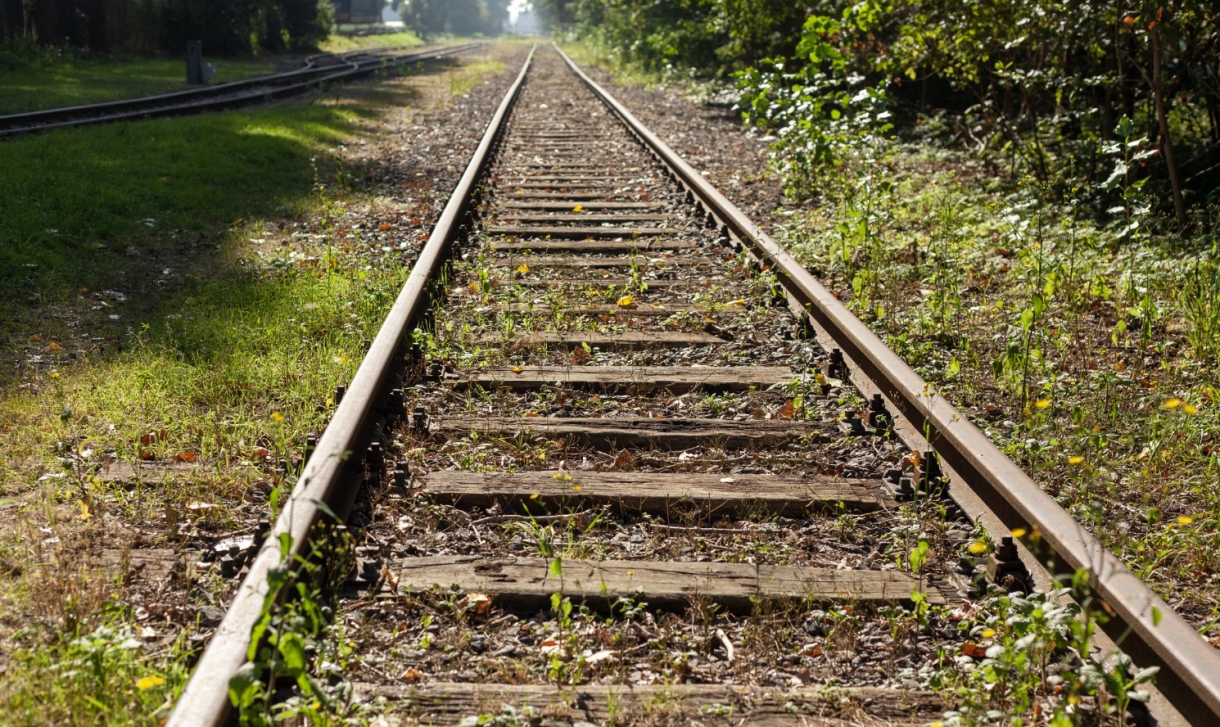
(205, 699)
(1155, 633)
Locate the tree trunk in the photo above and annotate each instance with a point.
(1166, 142)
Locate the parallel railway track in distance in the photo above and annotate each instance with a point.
(317, 72)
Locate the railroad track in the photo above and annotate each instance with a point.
(317, 71)
(615, 455)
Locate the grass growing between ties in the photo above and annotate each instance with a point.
(186, 293)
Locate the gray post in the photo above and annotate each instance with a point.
(194, 62)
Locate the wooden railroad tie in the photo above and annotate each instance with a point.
(574, 198)
(611, 433)
(600, 283)
(677, 379)
(575, 201)
(640, 235)
(705, 704)
(634, 310)
(582, 217)
(594, 246)
(527, 583)
(630, 341)
(643, 262)
(712, 494)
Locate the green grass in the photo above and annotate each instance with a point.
(77, 205)
(77, 81)
(237, 347)
(342, 43)
(1089, 358)
(247, 302)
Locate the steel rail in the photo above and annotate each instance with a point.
(1145, 627)
(221, 96)
(328, 476)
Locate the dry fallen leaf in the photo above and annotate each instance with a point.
(479, 602)
(623, 460)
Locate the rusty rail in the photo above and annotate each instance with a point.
(328, 474)
(1155, 635)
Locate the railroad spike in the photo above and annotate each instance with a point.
(1005, 569)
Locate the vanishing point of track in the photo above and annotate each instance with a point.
(596, 346)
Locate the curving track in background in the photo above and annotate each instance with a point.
(318, 70)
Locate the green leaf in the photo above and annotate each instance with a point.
(244, 685)
(1156, 616)
(292, 648)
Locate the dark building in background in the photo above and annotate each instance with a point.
(358, 12)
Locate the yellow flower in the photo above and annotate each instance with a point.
(1185, 520)
(988, 633)
(977, 547)
(523, 268)
(578, 208)
(277, 417)
(149, 682)
(1076, 460)
(626, 301)
(534, 496)
(562, 477)
(1018, 532)
(575, 488)
(1190, 409)
(517, 369)
(1042, 403)
(1173, 403)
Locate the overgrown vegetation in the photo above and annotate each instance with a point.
(184, 291)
